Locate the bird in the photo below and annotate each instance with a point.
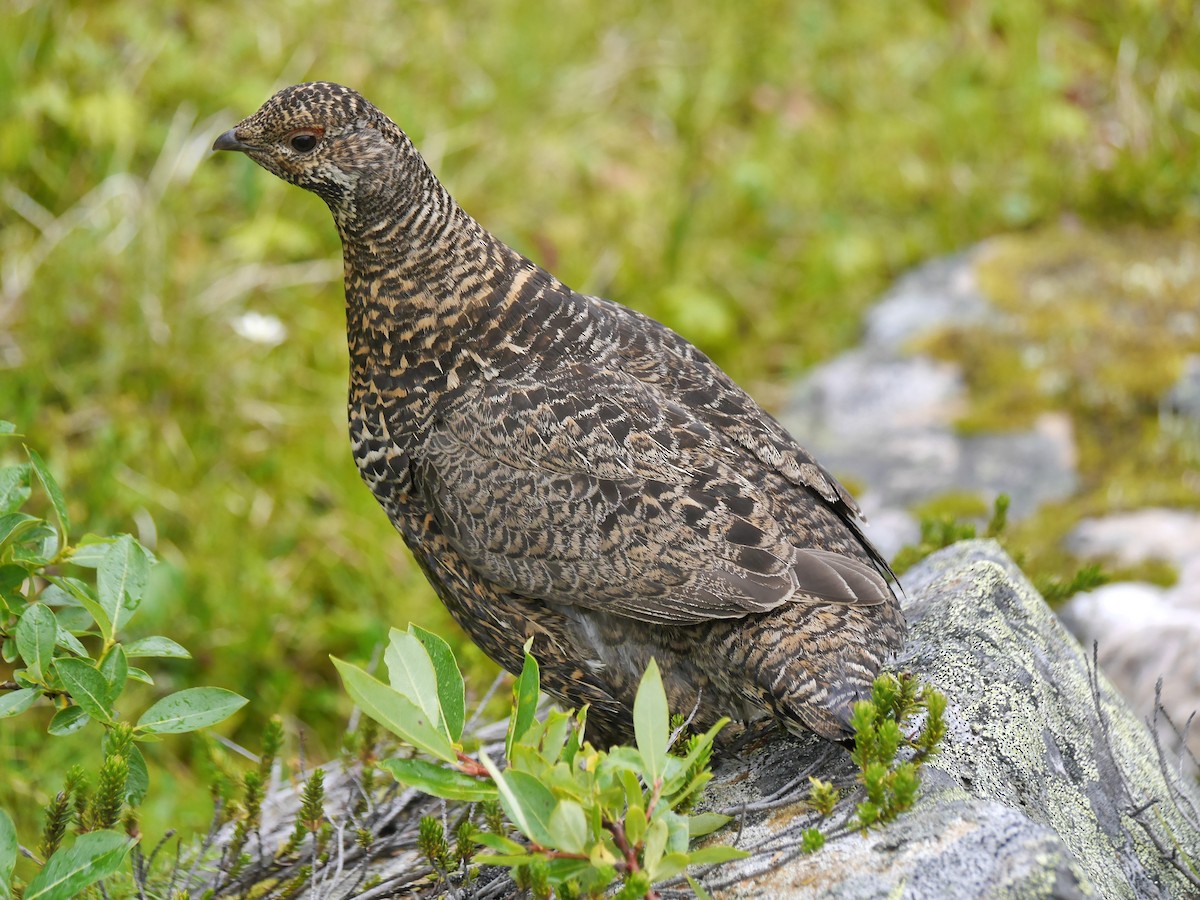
(567, 470)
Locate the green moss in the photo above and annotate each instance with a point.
(953, 504)
(1097, 325)
(949, 518)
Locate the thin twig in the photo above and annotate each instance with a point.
(482, 704)
(391, 886)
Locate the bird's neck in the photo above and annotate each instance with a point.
(415, 265)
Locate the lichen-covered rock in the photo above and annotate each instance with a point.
(1034, 792)
(1145, 631)
(1040, 789)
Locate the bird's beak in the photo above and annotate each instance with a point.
(229, 141)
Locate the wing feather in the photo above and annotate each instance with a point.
(587, 487)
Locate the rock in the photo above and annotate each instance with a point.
(1033, 792)
(884, 414)
(1145, 632)
(1142, 636)
(938, 294)
(1179, 410)
(1182, 401)
(1171, 535)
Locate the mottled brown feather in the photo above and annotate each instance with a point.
(567, 469)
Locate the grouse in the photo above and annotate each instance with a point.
(566, 469)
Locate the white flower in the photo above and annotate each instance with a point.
(259, 328)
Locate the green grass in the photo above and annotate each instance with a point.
(751, 173)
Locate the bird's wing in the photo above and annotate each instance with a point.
(656, 354)
(660, 356)
(587, 487)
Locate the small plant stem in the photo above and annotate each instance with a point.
(47, 692)
(556, 854)
(470, 766)
(655, 795)
(622, 841)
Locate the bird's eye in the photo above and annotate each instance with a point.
(303, 143)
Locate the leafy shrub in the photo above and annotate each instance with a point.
(585, 817)
(64, 615)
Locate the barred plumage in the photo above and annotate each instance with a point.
(567, 469)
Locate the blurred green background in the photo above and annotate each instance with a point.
(750, 173)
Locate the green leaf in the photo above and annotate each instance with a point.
(677, 832)
(439, 781)
(190, 709)
(394, 711)
(670, 865)
(115, 669)
(716, 854)
(14, 487)
(537, 802)
(53, 491)
(554, 735)
(13, 703)
(156, 645)
(625, 759)
(527, 802)
(632, 786)
(508, 799)
(635, 821)
(93, 856)
(73, 619)
(65, 639)
(37, 547)
(411, 673)
(137, 782)
(36, 635)
(698, 889)
(8, 854)
(87, 687)
(121, 580)
(504, 859)
(137, 778)
(451, 692)
(560, 871)
(499, 842)
(568, 826)
(15, 526)
(89, 553)
(655, 843)
(68, 721)
(652, 722)
(11, 578)
(600, 855)
(525, 698)
(706, 823)
(82, 592)
(140, 675)
(811, 840)
(60, 600)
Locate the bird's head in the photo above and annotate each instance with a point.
(327, 139)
